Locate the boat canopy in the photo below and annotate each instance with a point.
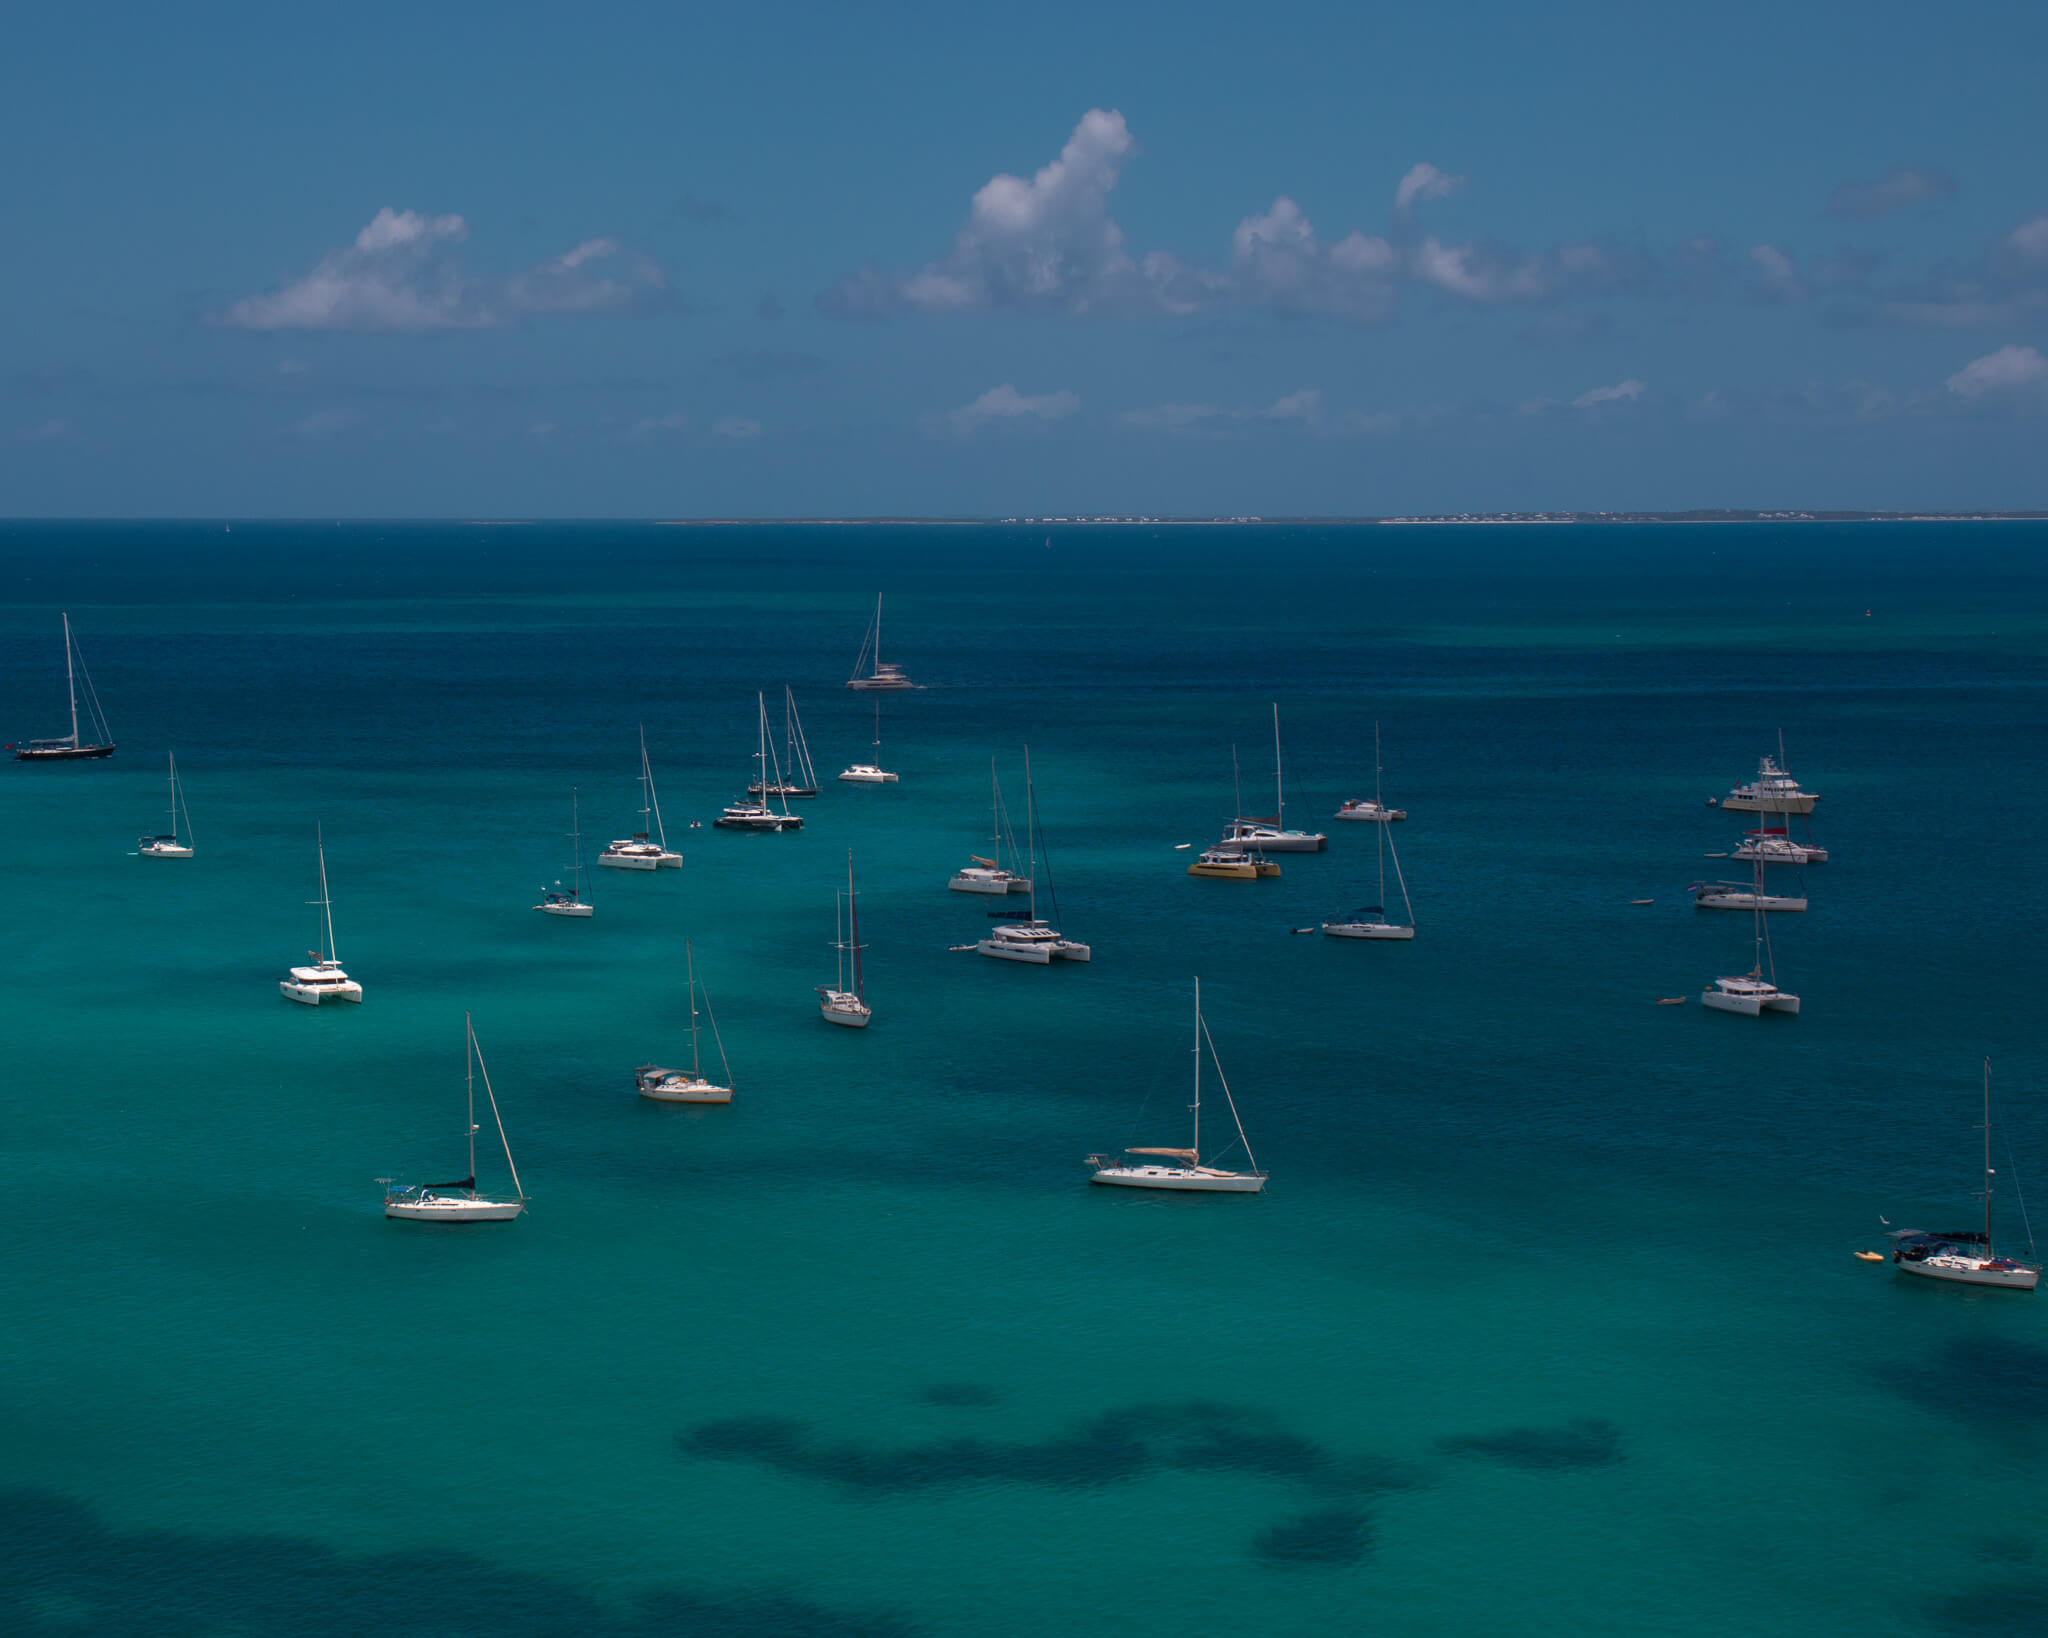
(1188, 1155)
(1962, 1237)
(468, 1183)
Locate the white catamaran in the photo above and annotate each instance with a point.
(324, 980)
(884, 674)
(871, 773)
(73, 747)
(1370, 921)
(838, 1004)
(1965, 1256)
(569, 901)
(1272, 835)
(1031, 939)
(688, 1086)
(990, 876)
(459, 1202)
(1755, 992)
(172, 846)
(647, 848)
(1189, 1174)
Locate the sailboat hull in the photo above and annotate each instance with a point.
(982, 881)
(312, 995)
(435, 1209)
(164, 850)
(1969, 1271)
(854, 1016)
(1182, 1179)
(61, 753)
(685, 1092)
(1366, 929)
(630, 861)
(566, 909)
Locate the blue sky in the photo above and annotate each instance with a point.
(806, 260)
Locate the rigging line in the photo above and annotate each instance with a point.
(1227, 1098)
(518, 1187)
(715, 1037)
(2013, 1166)
(1045, 864)
(92, 697)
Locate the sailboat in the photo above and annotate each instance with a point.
(1752, 994)
(757, 814)
(1965, 1256)
(687, 1086)
(1371, 809)
(798, 776)
(841, 1005)
(1189, 1174)
(884, 674)
(1272, 835)
(324, 980)
(871, 773)
(72, 747)
(569, 901)
(426, 1202)
(1370, 921)
(171, 846)
(1234, 860)
(1032, 940)
(981, 875)
(1748, 895)
(642, 850)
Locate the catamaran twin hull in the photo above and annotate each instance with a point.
(1039, 950)
(994, 882)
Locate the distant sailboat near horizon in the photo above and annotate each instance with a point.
(570, 901)
(170, 847)
(647, 848)
(427, 1202)
(1191, 1175)
(324, 980)
(1370, 921)
(837, 1003)
(885, 674)
(661, 1085)
(72, 748)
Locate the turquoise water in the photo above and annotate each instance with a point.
(1547, 1323)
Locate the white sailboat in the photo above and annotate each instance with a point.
(1371, 809)
(756, 814)
(838, 1004)
(884, 675)
(1272, 835)
(569, 901)
(171, 846)
(1742, 896)
(1031, 939)
(324, 980)
(1752, 994)
(872, 773)
(1965, 1256)
(73, 747)
(1370, 921)
(459, 1202)
(1189, 1174)
(647, 848)
(981, 875)
(687, 1086)
(798, 777)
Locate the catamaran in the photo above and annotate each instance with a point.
(459, 1202)
(988, 875)
(1190, 1174)
(72, 747)
(324, 980)
(1753, 993)
(1771, 845)
(757, 814)
(1370, 921)
(687, 1086)
(569, 901)
(884, 674)
(872, 773)
(1232, 862)
(171, 846)
(647, 848)
(1031, 939)
(797, 777)
(1965, 1256)
(1272, 835)
(1371, 809)
(839, 1005)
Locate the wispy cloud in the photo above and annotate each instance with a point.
(1423, 181)
(1006, 403)
(322, 425)
(735, 429)
(2009, 370)
(1622, 392)
(649, 427)
(1171, 417)
(1899, 187)
(401, 273)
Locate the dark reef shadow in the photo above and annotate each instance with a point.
(1991, 1380)
(964, 1394)
(2013, 1609)
(1340, 1536)
(1586, 1442)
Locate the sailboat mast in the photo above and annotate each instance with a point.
(1030, 838)
(690, 957)
(174, 795)
(838, 942)
(326, 903)
(1198, 1072)
(469, 1076)
(653, 801)
(70, 681)
(1279, 785)
(1987, 1157)
(575, 841)
(860, 989)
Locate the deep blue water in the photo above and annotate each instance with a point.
(1547, 1324)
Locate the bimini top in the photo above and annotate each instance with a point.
(1961, 1237)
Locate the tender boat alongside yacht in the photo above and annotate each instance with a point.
(1188, 1173)
(647, 848)
(661, 1085)
(459, 1202)
(324, 980)
(1965, 1256)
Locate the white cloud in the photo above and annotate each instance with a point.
(1006, 403)
(1305, 405)
(2010, 369)
(1279, 262)
(401, 274)
(324, 424)
(2029, 241)
(1621, 392)
(735, 428)
(1477, 272)
(1423, 181)
(1899, 187)
(1170, 416)
(541, 431)
(650, 427)
(292, 366)
(1777, 274)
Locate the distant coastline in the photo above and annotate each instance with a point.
(1704, 515)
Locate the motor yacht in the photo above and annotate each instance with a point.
(1231, 864)
(1772, 791)
(1370, 810)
